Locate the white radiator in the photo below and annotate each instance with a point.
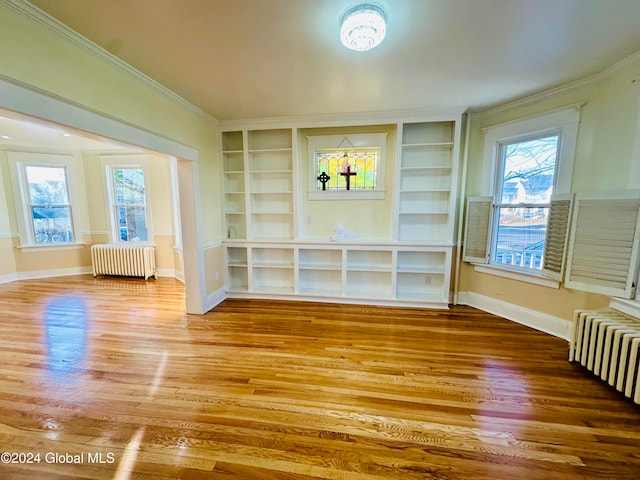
(607, 343)
(125, 260)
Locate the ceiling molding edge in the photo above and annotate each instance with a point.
(346, 119)
(36, 15)
(14, 95)
(567, 87)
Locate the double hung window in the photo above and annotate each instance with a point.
(44, 188)
(527, 163)
(525, 182)
(127, 199)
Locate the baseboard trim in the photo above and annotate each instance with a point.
(58, 272)
(167, 272)
(555, 326)
(214, 299)
(8, 278)
(63, 272)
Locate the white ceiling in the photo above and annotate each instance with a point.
(19, 131)
(268, 58)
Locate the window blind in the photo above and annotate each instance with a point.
(556, 236)
(478, 222)
(603, 246)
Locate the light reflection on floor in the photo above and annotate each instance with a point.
(66, 327)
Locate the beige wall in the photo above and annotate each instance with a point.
(37, 57)
(602, 163)
(93, 221)
(370, 219)
(213, 258)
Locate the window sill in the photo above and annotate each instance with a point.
(534, 278)
(630, 307)
(347, 195)
(46, 248)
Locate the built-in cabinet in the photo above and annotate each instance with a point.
(267, 259)
(426, 175)
(258, 174)
(382, 273)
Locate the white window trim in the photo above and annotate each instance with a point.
(564, 122)
(634, 183)
(358, 140)
(175, 194)
(17, 162)
(634, 168)
(529, 277)
(111, 162)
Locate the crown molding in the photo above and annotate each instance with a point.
(346, 119)
(567, 87)
(43, 19)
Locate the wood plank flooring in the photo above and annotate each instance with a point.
(108, 378)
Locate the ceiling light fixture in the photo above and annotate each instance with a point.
(363, 28)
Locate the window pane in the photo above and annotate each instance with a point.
(132, 224)
(52, 225)
(129, 186)
(359, 166)
(520, 236)
(47, 185)
(529, 168)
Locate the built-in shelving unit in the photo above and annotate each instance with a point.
(234, 185)
(258, 184)
(320, 271)
(421, 274)
(354, 273)
(270, 158)
(426, 175)
(267, 259)
(237, 269)
(273, 270)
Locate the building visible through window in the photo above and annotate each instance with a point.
(522, 197)
(49, 204)
(130, 205)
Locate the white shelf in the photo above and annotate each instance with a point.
(390, 272)
(425, 168)
(269, 140)
(427, 146)
(426, 179)
(368, 284)
(320, 259)
(421, 133)
(271, 172)
(258, 167)
(232, 141)
(270, 150)
(320, 282)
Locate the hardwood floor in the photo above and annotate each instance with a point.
(108, 378)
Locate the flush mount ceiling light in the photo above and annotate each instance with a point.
(363, 28)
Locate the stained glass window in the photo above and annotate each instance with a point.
(359, 166)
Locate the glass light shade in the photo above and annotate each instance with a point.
(363, 28)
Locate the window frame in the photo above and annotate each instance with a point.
(562, 122)
(498, 204)
(18, 162)
(377, 141)
(116, 162)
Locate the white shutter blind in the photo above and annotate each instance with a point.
(478, 223)
(555, 242)
(603, 247)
